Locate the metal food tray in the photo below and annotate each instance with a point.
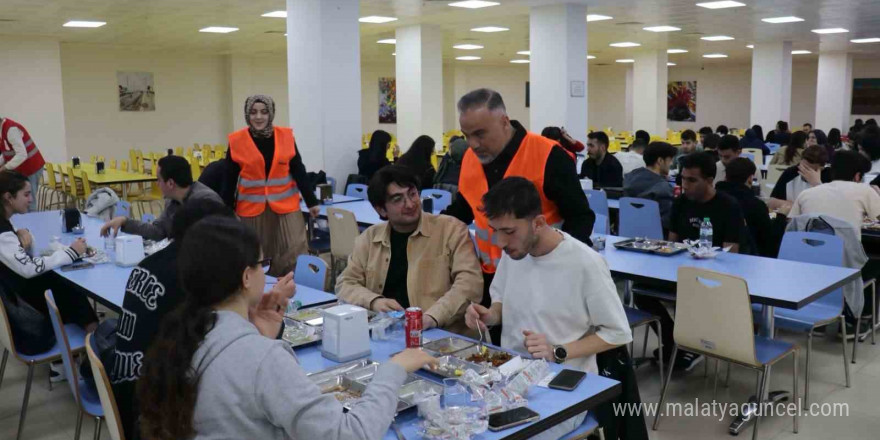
(316, 335)
(354, 377)
(448, 345)
(449, 364)
(408, 392)
(339, 370)
(464, 354)
(654, 247)
(342, 386)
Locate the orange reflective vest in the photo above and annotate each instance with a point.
(529, 162)
(34, 161)
(255, 189)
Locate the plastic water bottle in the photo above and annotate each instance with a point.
(706, 234)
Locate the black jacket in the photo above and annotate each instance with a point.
(609, 173)
(756, 215)
(366, 167)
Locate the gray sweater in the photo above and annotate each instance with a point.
(646, 184)
(161, 227)
(253, 387)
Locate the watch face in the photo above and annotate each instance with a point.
(560, 353)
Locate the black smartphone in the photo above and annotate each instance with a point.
(77, 266)
(511, 418)
(567, 380)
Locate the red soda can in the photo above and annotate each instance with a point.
(677, 191)
(413, 318)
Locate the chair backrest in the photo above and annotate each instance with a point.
(332, 182)
(757, 155)
(311, 271)
(50, 176)
(124, 165)
(598, 201)
(600, 226)
(343, 231)
(66, 356)
(640, 218)
(774, 172)
(105, 393)
(148, 218)
(113, 164)
(71, 181)
(356, 190)
(178, 151)
(442, 198)
(86, 185)
(713, 314)
(816, 248)
(196, 168)
(6, 340)
(123, 208)
(749, 156)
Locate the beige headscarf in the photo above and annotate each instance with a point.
(270, 105)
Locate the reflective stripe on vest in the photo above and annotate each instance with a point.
(256, 198)
(530, 162)
(260, 183)
(32, 153)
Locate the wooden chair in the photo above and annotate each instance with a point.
(343, 231)
(105, 393)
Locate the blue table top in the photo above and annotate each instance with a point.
(613, 204)
(781, 283)
(106, 282)
(337, 198)
(593, 390)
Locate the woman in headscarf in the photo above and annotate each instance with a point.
(374, 158)
(450, 167)
(266, 177)
(418, 159)
(752, 140)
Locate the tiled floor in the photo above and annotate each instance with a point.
(52, 415)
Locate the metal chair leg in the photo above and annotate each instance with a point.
(98, 423)
(807, 372)
(27, 395)
(715, 380)
(873, 312)
(794, 387)
(705, 367)
(855, 336)
(663, 393)
(79, 422)
(758, 410)
(843, 344)
(660, 345)
(3, 365)
(648, 329)
(727, 376)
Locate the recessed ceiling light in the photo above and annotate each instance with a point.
(218, 29)
(85, 24)
(467, 46)
(830, 31)
(394, 54)
(524, 52)
(720, 5)
(661, 29)
(717, 38)
(676, 51)
(625, 60)
(376, 19)
(779, 20)
(597, 17)
(670, 64)
(714, 55)
(625, 44)
(276, 14)
(800, 52)
(387, 41)
(865, 40)
(473, 4)
(468, 58)
(490, 29)
(750, 46)
(519, 61)
(591, 57)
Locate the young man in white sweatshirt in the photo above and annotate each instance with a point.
(553, 293)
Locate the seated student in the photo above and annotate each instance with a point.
(722, 130)
(632, 160)
(688, 145)
(414, 259)
(585, 316)
(650, 182)
(845, 197)
(810, 172)
(153, 290)
(791, 150)
(215, 370)
(699, 200)
(602, 168)
(728, 149)
(558, 134)
(450, 167)
(176, 183)
(643, 136)
(710, 145)
(375, 157)
(26, 277)
(705, 131)
(738, 185)
(418, 159)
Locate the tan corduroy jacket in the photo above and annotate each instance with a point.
(443, 274)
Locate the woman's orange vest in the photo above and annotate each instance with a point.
(529, 162)
(255, 189)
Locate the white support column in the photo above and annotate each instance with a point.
(771, 84)
(324, 83)
(834, 91)
(628, 97)
(558, 68)
(649, 91)
(419, 72)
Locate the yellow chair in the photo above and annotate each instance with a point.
(123, 165)
(113, 165)
(196, 168)
(178, 151)
(92, 159)
(74, 187)
(195, 145)
(189, 152)
(141, 201)
(53, 195)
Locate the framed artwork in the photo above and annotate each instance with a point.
(387, 101)
(866, 96)
(136, 91)
(681, 101)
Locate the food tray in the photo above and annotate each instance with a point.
(408, 392)
(309, 334)
(364, 374)
(649, 246)
(339, 370)
(344, 389)
(492, 352)
(447, 345)
(449, 364)
(348, 383)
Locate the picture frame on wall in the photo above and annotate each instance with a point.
(137, 92)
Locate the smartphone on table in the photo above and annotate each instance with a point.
(77, 266)
(567, 380)
(512, 417)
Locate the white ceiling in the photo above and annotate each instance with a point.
(174, 24)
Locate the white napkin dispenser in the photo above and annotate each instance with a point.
(129, 250)
(346, 334)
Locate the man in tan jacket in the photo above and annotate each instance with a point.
(414, 259)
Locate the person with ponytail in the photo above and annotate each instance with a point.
(212, 371)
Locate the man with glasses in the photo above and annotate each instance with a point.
(414, 259)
